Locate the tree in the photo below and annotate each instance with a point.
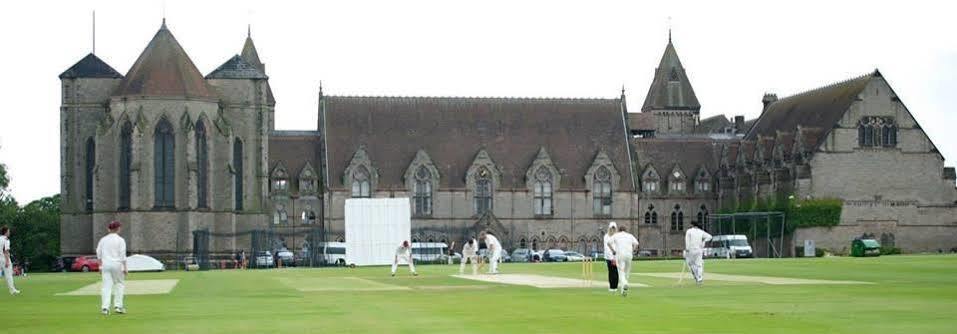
(37, 232)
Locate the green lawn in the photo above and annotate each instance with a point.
(910, 294)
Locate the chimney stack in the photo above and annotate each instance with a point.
(767, 100)
(738, 124)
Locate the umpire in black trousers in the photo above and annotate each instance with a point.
(610, 259)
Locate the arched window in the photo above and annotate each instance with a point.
(677, 219)
(651, 217)
(650, 180)
(88, 173)
(164, 162)
(482, 200)
(126, 163)
(677, 181)
(601, 192)
(543, 192)
(877, 132)
(703, 182)
(202, 166)
(703, 215)
(535, 244)
(422, 192)
(281, 216)
(361, 183)
(238, 175)
(522, 243)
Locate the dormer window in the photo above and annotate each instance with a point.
(677, 181)
(280, 185)
(650, 181)
(702, 182)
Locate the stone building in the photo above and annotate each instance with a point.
(169, 151)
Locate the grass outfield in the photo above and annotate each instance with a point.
(910, 294)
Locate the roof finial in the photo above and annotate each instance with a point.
(94, 32)
(164, 15)
(249, 30)
(669, 30)
(623, 89)
(320, 88)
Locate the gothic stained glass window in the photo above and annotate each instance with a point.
(361, 183)
(164, 162)
(422, 192)
(202, 166)
(482, 200)
(88, 173)
(543, 192)
(126, 163)
(601, 192)
(238, 175)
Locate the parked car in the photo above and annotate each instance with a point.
(573, 256)
(436, 252)
(555, 255)
(264, 259)
(64, 263)
(598, 256)
(86, 264)
(522, 255)
(538, 256)
(286, 256)
(645, 253)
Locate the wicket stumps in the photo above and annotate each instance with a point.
(588, 270)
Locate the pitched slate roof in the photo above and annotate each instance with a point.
(713, 124)
(90, 66)
(294, 149)
(164, 69)
(236, 68)
(818, 108)
(688, 153)
(452, 130)
(251, 56)
(663, 95)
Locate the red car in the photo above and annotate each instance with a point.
(85, 264)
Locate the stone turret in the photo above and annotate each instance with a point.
(671, 98)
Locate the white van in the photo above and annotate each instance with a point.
(429, 251)
(728, 246)
(335, 252)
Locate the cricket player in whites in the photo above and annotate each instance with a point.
(404, 251)
(494, 251)
(622, 246)
(470, 254)
(695, 238)
(6, 265)
(111, 251)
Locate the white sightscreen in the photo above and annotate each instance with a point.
(374, 229)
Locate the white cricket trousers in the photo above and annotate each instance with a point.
(471, 259)
(695, 260)
(624, 270)
(493, 261)
(114, 283)
(7, 274)
(395, 263)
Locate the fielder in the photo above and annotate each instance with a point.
(6, 265)
(470, 254)
(622, 246)
(695, 238)
(494, 251)
(610, 259)
(111, 251)
(404, 251)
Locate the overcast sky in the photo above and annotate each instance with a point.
(734, 52)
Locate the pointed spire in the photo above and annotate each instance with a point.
(163, 26)
(671, 88)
